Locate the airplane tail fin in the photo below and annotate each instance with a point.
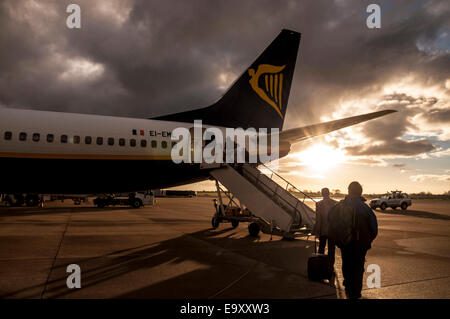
(259, 97)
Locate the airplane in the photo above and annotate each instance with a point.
(45, 152)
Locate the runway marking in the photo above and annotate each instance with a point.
(233, 282)
(56, 255)
(409, 282)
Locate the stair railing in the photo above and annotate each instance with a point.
(288, 184)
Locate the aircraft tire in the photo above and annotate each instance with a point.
(215, 222)
(253, 229)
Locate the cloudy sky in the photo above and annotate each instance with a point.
(141, 58)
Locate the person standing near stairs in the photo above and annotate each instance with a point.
(353, 226)
(320, 229)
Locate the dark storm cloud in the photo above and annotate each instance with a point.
(396, 125)
(438, 116)
(160, 57)
(393, 147)
(386, 135)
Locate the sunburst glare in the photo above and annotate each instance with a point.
(321, 157)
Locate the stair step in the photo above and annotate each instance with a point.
(264, 197)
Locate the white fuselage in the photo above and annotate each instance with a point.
(53, 152)
(82, 127)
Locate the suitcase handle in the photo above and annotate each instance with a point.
(315, 246)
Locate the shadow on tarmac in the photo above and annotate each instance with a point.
(264, 261)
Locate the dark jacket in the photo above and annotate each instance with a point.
(323, 207)
(367, 225)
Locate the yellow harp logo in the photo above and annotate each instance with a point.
(273, 80)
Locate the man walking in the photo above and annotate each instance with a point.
(323, 208)
(352, 216)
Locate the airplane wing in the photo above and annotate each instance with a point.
(301, 133)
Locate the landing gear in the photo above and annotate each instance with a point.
(234, 223)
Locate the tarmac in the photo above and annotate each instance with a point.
(169, 250)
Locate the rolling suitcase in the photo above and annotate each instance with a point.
(319, 266)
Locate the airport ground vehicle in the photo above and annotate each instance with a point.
(173, 193)
(134, 200)
(233, 214)
(393, 200)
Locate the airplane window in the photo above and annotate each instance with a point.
(23, 136)
(153, 144)
(132, 142)
(36, 137)
(76, 139)
(164, 144)
(50, 138)
(8, 136)
(143, 143)
(63, 138)
(121, 141)
(110, 141)
(87, 140)
(99, 140)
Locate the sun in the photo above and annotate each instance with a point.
(321, 157)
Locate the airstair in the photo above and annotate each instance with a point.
(274, 207)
